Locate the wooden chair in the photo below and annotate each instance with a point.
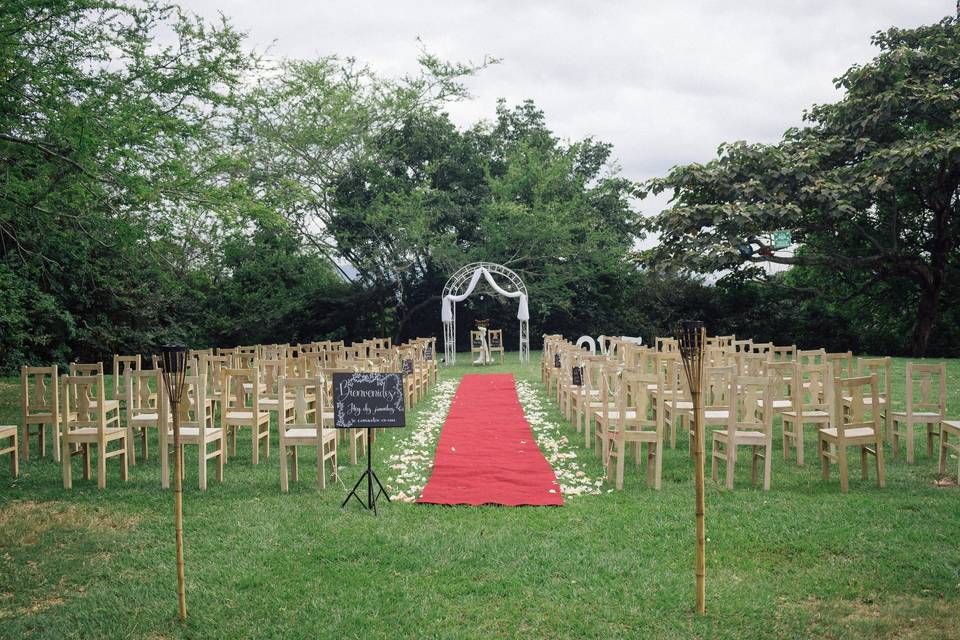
(924, 405)
(77, 369)
(677, 402)
(121, 365)
(780, 374)
(852, 429)
(811, 403)
(143, 392)
(841, 363)
(196, 429)
(783, 354)
(880, 367)
(241, 408)
(610, 376)
(495, 340)
(634, 421)
(9, 432)
(90, 423)
(949, 428)
(357, 438)
(301, 425)
(40, 405)
(717, 394)
(750, 424)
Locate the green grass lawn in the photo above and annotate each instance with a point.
(799, 561)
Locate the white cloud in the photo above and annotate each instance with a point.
(664, 82)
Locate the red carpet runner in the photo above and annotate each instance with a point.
(486, 453)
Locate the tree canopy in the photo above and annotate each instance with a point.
(868, 188)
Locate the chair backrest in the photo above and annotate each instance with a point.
(762, 348)
(813, 388)
(270, 373)
(667, 345)
(121, 365)
(926, 388)
(811, 356)
(235, 395)
(295, 404)
(880, 367)
(750, 364)
(633, 394)
(194, 412)
(82, 369)
(857, 390)
(715, 387)
(842, 364)
(784, 353)
(495, 339)
(212, 368)
(39, 393)
(742, 346)
(781, 375)
(144, 391)
(78, 393)
(751, 408)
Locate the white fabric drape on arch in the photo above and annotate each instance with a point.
(446, 312)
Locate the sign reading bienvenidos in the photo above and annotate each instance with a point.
(367, 400)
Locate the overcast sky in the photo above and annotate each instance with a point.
(664, 82)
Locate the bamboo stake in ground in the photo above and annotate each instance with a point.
(691, 337)
(174, 369)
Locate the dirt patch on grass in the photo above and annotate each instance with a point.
(946, 483)
(902, 617)
(25, 521)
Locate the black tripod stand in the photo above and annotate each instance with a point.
(371, 478)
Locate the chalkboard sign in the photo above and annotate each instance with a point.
(428, 353)
(577, 376)
(556, 360)
(477, 344)
(364, 400)
(495, 340)
(408, 366)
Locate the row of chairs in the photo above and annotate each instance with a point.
(226, 390)
(633, 396)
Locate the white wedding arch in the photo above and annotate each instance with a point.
(459, 287)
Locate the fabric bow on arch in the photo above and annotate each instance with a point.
(446, 312)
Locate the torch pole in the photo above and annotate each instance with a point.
(701, 569)
(178, 506)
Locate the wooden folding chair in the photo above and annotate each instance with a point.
(749, 424)
(91, 423)
(301, 425)
(852, 429)
(926, 403)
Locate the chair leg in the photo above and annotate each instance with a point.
(55, 445)
(15, 458)
(909, 440)
(767, 464)
(799, 438)
(786, 442)
(102, 466)
(130, 445)
(621, 458)
(202, 462)
(930, 434)
(842, 464)
(824, 461)
(256, 443)
(284, 483)
(296, 464)
(67, 461)
(124, 466)
(266, 439)
(864, 465)
(87, 474)
(321, 478)
(713, 459)
(894, 438)
(658, 466)
(25, 444)
(731, 461)
(145, 441)
(942, 467)
(881, 472)
(754, 458)
(221, 457)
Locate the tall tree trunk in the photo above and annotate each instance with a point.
(927, 308)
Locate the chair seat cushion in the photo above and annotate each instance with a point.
(807, 414)
(87, 432)
(194, 432)
(777, 404)
(245, 415)
(918, 414)
(758, 436)
(856, 432)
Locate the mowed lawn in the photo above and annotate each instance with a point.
(799, 561)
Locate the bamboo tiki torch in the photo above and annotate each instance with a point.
(691, 337)
(174, 370)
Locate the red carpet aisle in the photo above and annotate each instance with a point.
(486, 453)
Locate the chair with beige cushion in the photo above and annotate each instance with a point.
(856, 427)
(90, 423)
(811, 403)
(749, 424)
(301, 425)
(925, 397)
(240, 408)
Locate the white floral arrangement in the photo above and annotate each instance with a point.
(555, 446)
(410, 469)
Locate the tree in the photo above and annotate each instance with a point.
(869, 188)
